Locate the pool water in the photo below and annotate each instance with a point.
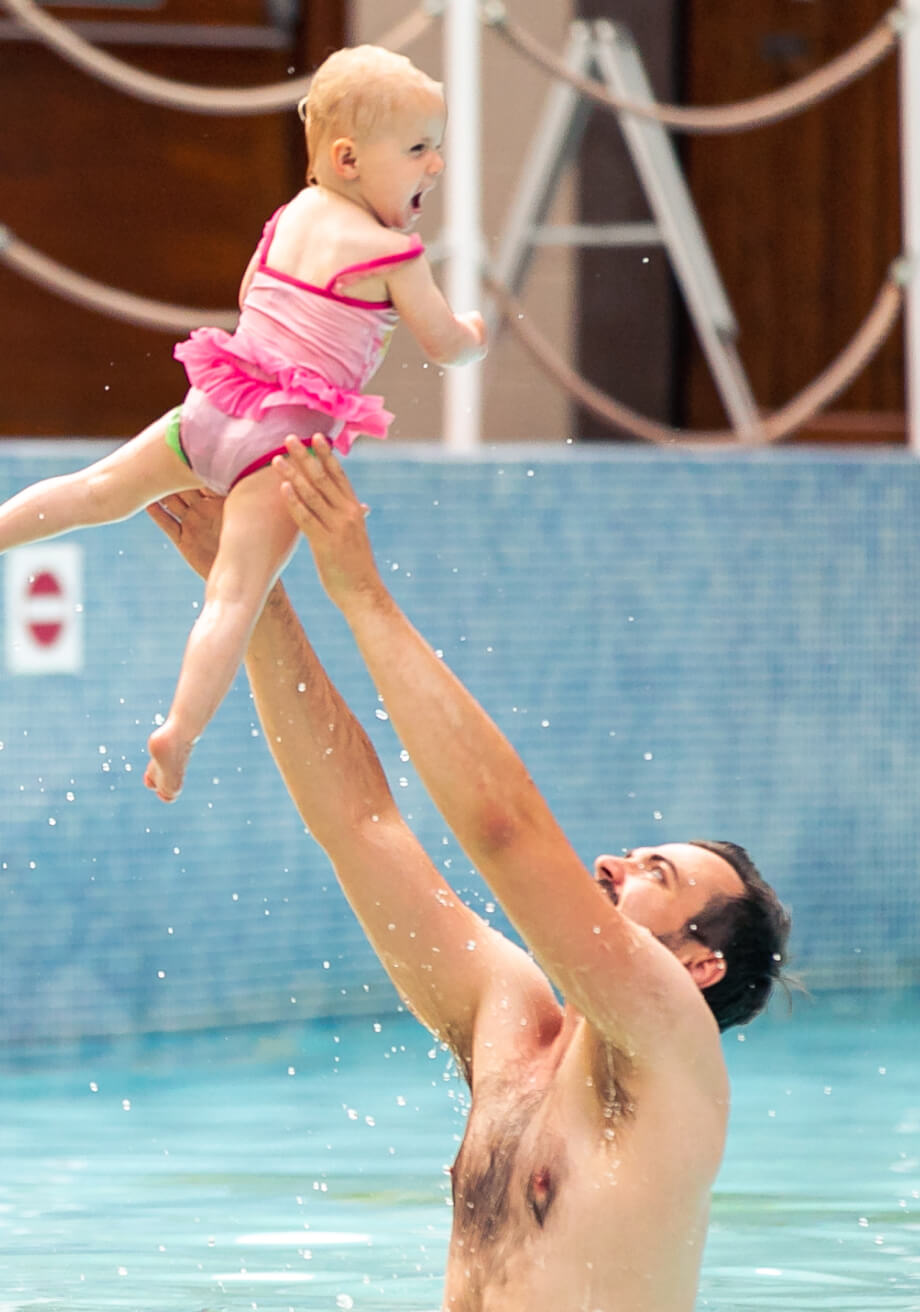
(304, 1168)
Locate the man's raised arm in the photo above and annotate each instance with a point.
(417, 925)
(629, 986)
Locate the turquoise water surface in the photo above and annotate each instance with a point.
(304, 1168)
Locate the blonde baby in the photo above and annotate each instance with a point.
(335, 269)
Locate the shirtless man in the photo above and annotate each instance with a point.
(596, 1127)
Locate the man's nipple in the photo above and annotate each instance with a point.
(540, 1194)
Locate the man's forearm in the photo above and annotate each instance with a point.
(325, 758)
(473, 773)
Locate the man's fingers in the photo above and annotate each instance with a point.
(164, 520)
(299, 493)
(303, 473)
(318, 463)
(298, 509)
(314, 486)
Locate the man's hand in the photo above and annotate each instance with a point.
(191, 521)
(323, 505)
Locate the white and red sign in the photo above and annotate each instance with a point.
(43, 611)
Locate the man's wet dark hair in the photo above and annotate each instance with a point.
(751, 933)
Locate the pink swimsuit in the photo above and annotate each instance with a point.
(251, 389)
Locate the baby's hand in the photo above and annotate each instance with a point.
(474, 321)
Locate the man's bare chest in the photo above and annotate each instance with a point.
(512, 1165)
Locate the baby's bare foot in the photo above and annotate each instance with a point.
(169, 753)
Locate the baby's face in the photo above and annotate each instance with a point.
(400, 163)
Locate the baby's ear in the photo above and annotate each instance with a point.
(344, 157)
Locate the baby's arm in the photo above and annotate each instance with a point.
(445, 337)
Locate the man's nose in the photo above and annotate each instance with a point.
(614, 868)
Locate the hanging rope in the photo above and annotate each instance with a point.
(877, 326)
(836, 378)
(72, 286)
(146, 313)
(184, 95)
(770, 108)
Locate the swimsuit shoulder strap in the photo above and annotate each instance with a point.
(268, 233)
(354, 272)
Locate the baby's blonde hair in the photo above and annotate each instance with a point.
(354, 91)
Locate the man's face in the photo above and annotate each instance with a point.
(662, 888)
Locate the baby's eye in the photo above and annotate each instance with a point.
(418, 150)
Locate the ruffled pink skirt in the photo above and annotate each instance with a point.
(238, 378)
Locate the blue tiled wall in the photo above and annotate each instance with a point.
(719, 645)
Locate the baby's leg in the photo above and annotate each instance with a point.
(256, 539)
(141, 471)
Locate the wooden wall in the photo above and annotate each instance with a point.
(628, 325)
(804, 216)
(159, 202)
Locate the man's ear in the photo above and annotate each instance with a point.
(344, 158)
(705, 966)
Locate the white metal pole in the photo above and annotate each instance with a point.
(462, 416)
(910, 167)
